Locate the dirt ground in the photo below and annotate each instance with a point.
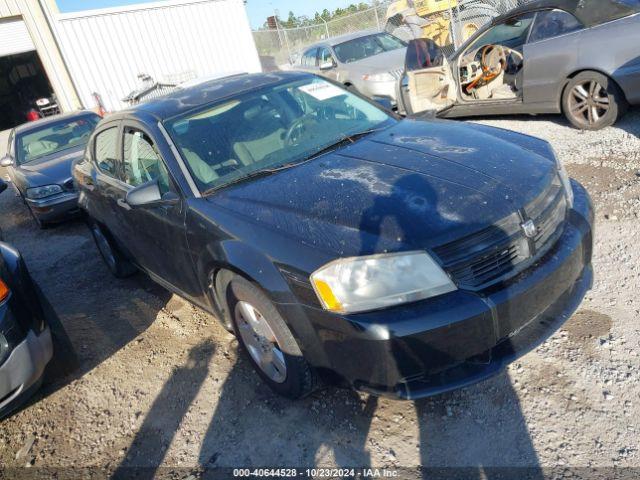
(160, 383)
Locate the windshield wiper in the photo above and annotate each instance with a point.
(345, 140)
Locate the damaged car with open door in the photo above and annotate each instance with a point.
(576, 57)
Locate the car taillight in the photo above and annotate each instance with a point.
(4, 291)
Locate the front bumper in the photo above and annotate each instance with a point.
(379, 90)
(461, 338)
(56, 207)
(22, 371)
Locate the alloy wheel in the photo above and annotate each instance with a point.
(589, 102)
(261, 342)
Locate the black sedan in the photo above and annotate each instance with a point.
(399, 257)
(39, 158)
(25, 338)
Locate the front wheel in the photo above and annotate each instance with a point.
(268, 342)
(118, 265)
(592, 101)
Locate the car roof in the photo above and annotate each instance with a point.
(589, 12)
(26, 127)
(333, 41)
(185, 100)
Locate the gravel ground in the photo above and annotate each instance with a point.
(160, 383)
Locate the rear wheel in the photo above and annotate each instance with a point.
(268, 342)
(592, 101)
(119, 266)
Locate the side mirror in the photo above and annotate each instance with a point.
(327, 65)
(3, 185)
(148, 195)
(6, 161)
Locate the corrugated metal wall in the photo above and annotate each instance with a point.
(36, 15)
(9, 8)
(14, 37)
(106, 50)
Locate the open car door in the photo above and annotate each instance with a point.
(427, 85)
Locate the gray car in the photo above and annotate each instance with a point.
(577, 57)
(39, 158)
(369, 62)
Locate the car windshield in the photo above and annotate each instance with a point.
(54, 138)
(269, 128)
(364, 47)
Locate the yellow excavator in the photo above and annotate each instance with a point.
(444, 21)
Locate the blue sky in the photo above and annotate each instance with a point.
(258, 10)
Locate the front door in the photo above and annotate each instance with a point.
(157, 238)
(427, 85)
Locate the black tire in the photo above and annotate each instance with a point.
(41, 225)
(116, 262)
(593, 101)
(301, 380)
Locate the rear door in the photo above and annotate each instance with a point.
(427, 85)
(103, 186)
(551, 55)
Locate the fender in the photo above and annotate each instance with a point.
(215, 268)
(15, 274)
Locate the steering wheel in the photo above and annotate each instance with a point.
(494, 61)
(297, 130)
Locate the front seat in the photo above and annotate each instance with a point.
(40, 148)
(261, 133)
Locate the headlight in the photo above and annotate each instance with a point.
(43, 192)
(564, 178)
(361, 284)
(379, 77)
(4, 348)
(4, 291)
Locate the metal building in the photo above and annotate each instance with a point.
(31, 65)
(105, 51)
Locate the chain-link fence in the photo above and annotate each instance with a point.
(283, 46)
(448, 22)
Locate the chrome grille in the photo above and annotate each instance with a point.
(503, 250)
(397, 74)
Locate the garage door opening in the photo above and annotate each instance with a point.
(23, 81)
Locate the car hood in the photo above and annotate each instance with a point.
(416, 185)
(52, 169)
(384, 62)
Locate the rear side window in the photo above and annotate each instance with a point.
(553, 23)
(106, 147)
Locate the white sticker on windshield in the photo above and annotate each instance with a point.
(322, 90)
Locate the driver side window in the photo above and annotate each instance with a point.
(324, 56)
(553, 23)
(512, 33)
(141, 162)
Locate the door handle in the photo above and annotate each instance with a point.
(122, 203)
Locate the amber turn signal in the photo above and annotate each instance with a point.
(4, 291)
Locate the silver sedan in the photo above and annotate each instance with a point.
(368, 62)
(39, 158)
(577, 57)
